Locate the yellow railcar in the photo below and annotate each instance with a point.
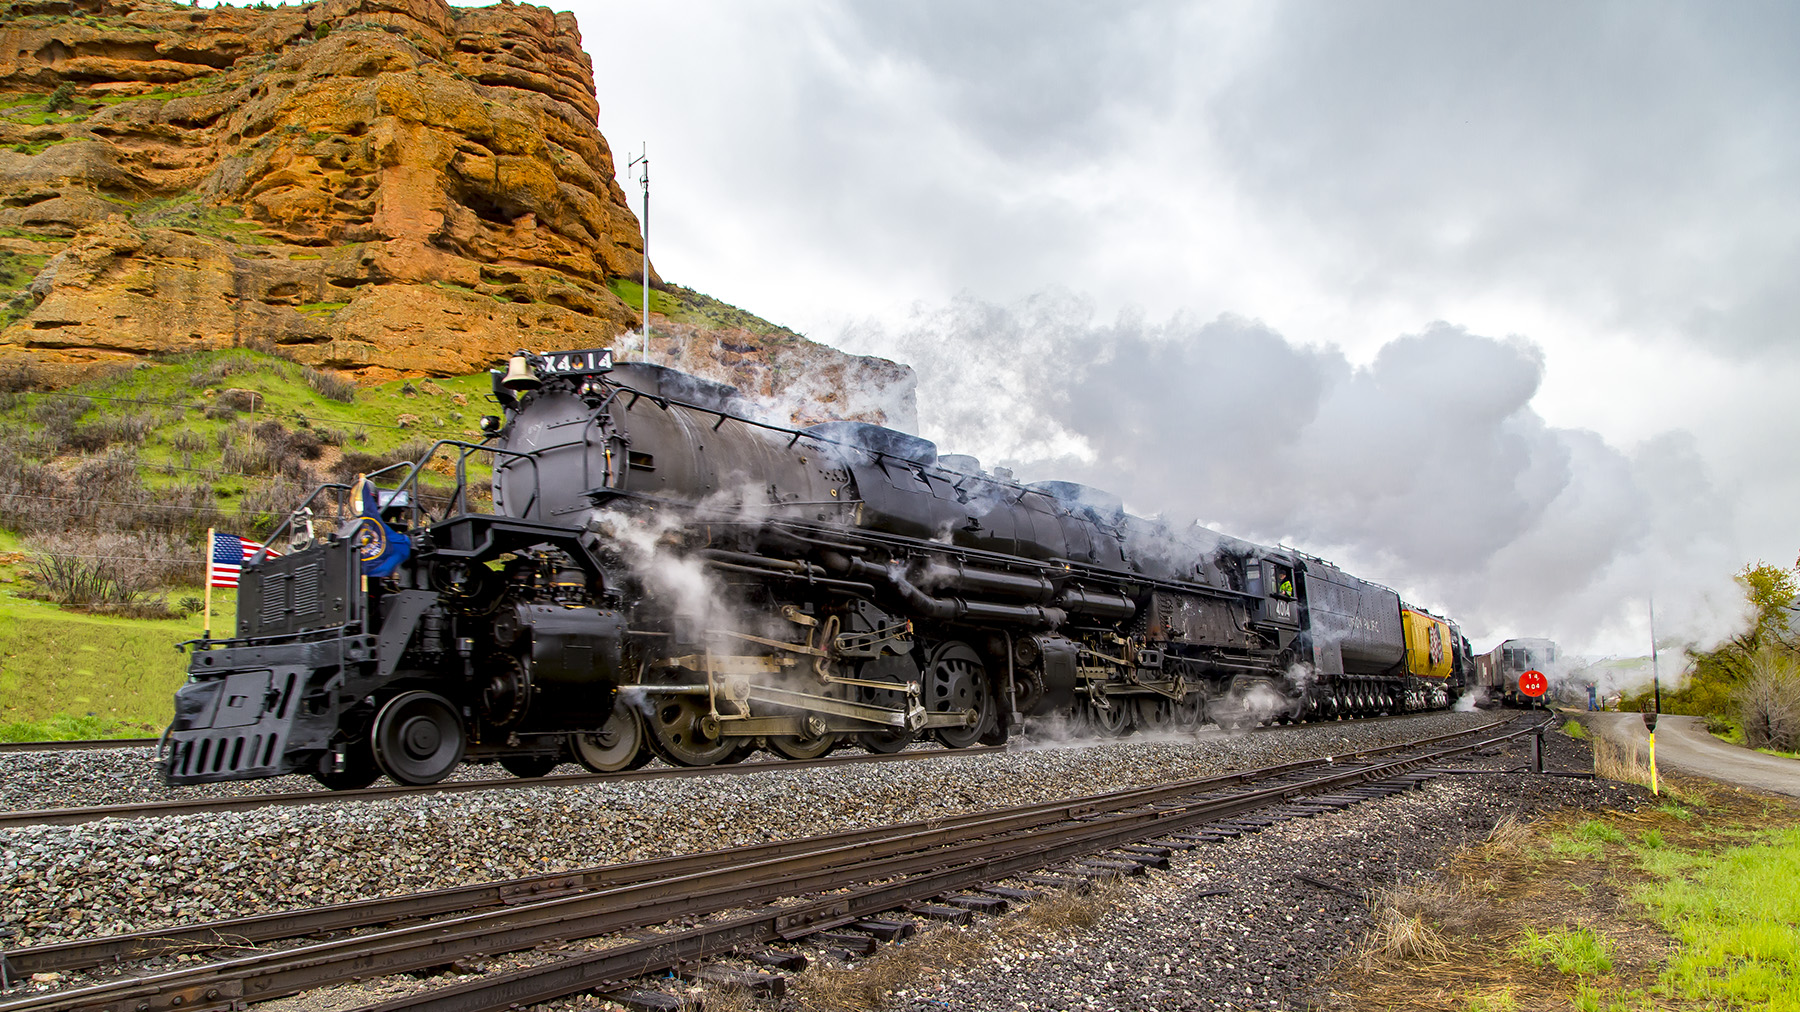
(1430, 645)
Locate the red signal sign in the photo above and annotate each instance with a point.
(1533, 683)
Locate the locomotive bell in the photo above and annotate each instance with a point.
(519, 376)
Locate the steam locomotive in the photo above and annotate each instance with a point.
(664, 575)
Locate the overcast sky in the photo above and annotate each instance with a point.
(1494, 303)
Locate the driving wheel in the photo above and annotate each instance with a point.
(678, 732)
(1113, 721)
(1155, 715)
(618, 745)
(956, 682)
(418, 738)
(1190, 712)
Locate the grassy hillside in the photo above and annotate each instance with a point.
(107, 489)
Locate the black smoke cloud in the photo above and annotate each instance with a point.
(1425, 468)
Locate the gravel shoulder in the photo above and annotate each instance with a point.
(122, 875)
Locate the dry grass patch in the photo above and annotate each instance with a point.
(1512, 912)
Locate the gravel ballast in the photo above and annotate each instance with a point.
(124, 875)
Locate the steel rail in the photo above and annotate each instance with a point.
(610, 966)
(84, 745)
(87, 953)
(926, 848)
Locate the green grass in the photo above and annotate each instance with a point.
(39, 147)
(1502, 1001)
(166, 388)
(1732, 734)
(190, 214)
(320, 308)
(68, 675)
(1570, 950)
(1575, 730)
(1736, 916)
(684, 305)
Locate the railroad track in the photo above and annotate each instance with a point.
(248, 802)
(829, 882)
(87, 745)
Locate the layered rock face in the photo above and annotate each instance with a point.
(385, 187)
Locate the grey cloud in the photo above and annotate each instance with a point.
(1427, 469)
(1622, 157)
(1029, 79)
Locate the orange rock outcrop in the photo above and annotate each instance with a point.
(384, 187)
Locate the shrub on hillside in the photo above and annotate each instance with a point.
(18, 377)
(356, 462)
(231, 364)
(269, 449)
(330, 385)
(29, 494)
(103, 494)
(131, 428)
(111, 571)
(267, 503)
(1768, 702)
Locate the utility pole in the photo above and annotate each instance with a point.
(642, 164)
(1655, 672)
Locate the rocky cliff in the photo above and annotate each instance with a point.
(384, 187)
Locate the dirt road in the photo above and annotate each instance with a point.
(1683, 744)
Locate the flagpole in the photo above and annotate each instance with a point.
(206, 609)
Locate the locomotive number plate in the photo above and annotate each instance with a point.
(577, 363)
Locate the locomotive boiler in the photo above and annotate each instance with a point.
(664, 575)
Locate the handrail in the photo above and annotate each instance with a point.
(459, 497)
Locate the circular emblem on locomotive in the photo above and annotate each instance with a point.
(370, 539)
(1435, 640)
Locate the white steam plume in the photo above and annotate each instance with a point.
(1427, 469)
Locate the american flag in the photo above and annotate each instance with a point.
(229, 553)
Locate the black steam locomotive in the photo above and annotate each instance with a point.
(663, 575)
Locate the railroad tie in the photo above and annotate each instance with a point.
(856, 945)
(638, 999)
(939, 912)
(1075, 885)
(993, 906)
(775, 959)
(1008, 893)
(774, 985)
(1100, 867)
(885, 930)
(1159, 862)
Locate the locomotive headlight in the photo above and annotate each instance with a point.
(491, 424)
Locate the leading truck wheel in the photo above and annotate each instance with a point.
(418, 738)
(618, 745)
(359, 769)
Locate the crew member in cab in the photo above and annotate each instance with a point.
(1284, 582)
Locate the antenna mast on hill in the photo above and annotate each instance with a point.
(642, 164)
